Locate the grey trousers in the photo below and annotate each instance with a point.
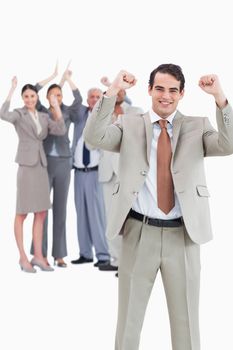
(90, 215)
(59, 180)
(146, 250)
(115, 243)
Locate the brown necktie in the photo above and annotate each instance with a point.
(165, 188)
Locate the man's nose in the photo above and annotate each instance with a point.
(166, 94)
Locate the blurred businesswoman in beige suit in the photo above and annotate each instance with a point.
(32, 128)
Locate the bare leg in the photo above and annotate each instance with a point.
(37, 233)
(18, 229)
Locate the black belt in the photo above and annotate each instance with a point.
(156, 222)
(87, 169)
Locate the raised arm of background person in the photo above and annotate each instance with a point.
(44, 82)
(10, 117)
(67, 77)
(39, 106)
(99, 130)
(221, 142)
(64, 75)
(74, 108)
(105, 81)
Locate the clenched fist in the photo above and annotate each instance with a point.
(124, 80)
(211, 85)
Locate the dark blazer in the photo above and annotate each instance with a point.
(71, 114)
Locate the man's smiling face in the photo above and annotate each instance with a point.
(165, 94)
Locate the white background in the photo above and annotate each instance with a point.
(76, 308)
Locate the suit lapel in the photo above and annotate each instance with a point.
(29, 122)
(43, 124)
(177, 122)
(149, 135)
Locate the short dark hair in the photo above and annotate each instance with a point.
(171, 69)
(30, 87)
(53, 86)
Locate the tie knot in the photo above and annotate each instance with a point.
(163, 123)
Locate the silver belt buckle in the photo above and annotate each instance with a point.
(145, 219)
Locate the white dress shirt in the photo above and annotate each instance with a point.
(146, 202)
(78, 155)
(35, 118)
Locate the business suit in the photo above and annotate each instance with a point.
(32, 179)
(89, 203)
(59, 167)
(108, 173)
(193, 139)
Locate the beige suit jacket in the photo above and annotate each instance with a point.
(108, 164)
(193, 139)
(30, 146)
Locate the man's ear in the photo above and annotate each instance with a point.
(149, 90)
(182, 94)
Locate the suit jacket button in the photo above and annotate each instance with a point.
(226, 119)
(135, 193)
(143, 172)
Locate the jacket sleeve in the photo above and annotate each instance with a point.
(8, 116)
(74, 109)
(99, 130)
(219, 143)
(39, 106)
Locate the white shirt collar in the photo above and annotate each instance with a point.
(154, 117)
(34, 115)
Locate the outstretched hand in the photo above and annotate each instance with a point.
(56, 110)
(14, 82)
(67, 74)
